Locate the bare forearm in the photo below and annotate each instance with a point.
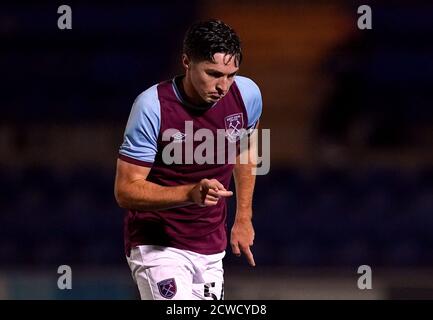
(242, 233)
(244, 182)
(145, 195)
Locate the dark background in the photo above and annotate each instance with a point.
(351, 119)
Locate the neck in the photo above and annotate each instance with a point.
(189, 92)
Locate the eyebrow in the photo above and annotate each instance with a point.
(220, 73)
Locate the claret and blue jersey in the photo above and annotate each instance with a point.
(157, 110)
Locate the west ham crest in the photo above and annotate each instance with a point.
(234, 124)
(167, 288)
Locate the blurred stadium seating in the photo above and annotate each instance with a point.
(323, 218)
(350, 113)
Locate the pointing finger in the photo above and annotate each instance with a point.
(222, 193)
(250, 257)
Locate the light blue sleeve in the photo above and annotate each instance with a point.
(141, 134)
(252, 98)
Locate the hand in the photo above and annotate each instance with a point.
(207, 192)
(242, 237)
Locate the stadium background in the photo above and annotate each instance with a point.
(351, 119)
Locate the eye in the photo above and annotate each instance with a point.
(214, 75)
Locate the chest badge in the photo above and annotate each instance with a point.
(234, 125)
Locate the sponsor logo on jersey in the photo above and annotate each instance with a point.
(178, 137)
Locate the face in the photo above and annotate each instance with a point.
(210, 81)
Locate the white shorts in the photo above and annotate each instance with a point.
(169, 273)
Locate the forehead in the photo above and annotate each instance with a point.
(222, 62)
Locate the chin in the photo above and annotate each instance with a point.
(214, 99)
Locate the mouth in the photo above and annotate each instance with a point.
(215, 96)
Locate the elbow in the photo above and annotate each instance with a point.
(126, 200)
(121, 198)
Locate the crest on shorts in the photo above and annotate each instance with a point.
(167, 288)
(234, 124)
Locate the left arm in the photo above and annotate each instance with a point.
(242, 233)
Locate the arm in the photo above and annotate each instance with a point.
(133, 191)
(242, 233)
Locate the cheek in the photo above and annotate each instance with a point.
(205, 84)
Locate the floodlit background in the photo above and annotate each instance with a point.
(351, 119)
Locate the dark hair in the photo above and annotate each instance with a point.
(205, 38)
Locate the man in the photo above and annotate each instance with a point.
(175, 227)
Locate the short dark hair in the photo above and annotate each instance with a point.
(205, 38)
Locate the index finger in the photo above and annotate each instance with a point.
(222, 193)
(249, 255)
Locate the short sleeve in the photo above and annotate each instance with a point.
(252, 98)
(140, 140)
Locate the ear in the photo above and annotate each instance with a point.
(186, 62)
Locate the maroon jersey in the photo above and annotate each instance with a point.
(159, 110)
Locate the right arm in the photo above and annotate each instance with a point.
(133, 191)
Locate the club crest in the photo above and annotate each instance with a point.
(234, 124)
(167, 288)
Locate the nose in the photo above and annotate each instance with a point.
(223, 85)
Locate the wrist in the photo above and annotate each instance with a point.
(243, 216)
(244, 211)
(189, 196)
